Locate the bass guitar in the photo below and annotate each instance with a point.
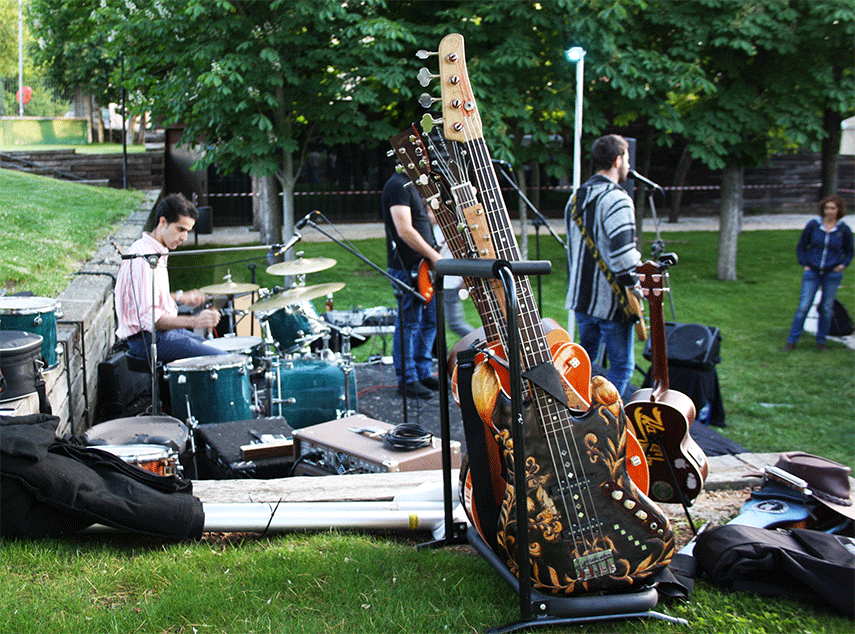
(589, 527)
(661, 416)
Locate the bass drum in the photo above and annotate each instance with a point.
(307, 391)
(212, 389)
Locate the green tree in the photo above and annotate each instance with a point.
(256, 84)
(72, 49)
(766, 98)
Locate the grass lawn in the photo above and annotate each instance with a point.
(88, 148)
(350, 583)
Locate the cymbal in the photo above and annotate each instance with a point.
(229, 288)
(295, 296)
(301, 266)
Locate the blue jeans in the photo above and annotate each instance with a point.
(417, 321)
(171, 345)
(812, 281)
(617, 336)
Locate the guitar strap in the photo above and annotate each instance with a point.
(617, 289)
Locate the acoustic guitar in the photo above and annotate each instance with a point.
(661, 416)
(589, 527)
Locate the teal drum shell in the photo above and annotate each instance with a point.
(296, 326)
(36, 315)
(215, 389)
(308, 391)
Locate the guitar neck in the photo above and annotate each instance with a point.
(652, 277)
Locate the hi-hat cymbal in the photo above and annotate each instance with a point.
(229, 288)
(295, 296)
(301, 266)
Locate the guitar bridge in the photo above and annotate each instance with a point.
(598, 564)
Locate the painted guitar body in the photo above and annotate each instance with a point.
(610, 514)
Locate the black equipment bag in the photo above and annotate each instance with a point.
(806, 565)
(841, 322)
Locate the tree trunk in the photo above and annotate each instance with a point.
(90, 134)
(680, 176)
(831, 123)
(269, 216)
(730, 222)
(143, 124)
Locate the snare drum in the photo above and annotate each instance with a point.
(307, 391)
(140, 430)
(212, 389)
(37, 315)
(252, 347)
(156, 459)
(296, 326)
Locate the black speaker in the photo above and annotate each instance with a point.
(690, 345)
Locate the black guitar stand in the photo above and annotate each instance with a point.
(536, 609)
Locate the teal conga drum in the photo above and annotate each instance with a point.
(307, 390)
(211, 389)
(37, 315)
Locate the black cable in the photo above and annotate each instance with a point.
(407, 437)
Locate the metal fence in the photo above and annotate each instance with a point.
(45, 100)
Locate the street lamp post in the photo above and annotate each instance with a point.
(577, 55)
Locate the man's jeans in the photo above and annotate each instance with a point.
(617, 336)
(417, 320)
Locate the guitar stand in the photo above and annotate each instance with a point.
(536, 609)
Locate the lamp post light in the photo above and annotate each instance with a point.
(577, 55)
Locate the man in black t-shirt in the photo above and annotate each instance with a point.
(409, 240)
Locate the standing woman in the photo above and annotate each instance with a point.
(824, 250)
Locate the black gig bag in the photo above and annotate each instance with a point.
(805, 565)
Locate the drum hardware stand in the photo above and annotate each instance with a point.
(400, 286)
(536, 609)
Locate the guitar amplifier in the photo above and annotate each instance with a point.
(355, 445)
(690, 345)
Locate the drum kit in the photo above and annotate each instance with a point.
(288, 371)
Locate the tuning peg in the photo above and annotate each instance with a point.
(426, 101)
(423, 54)
(425, 76)
(428, 122)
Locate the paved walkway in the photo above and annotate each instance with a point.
(359, 231)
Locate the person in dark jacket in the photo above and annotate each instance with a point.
(824, 251)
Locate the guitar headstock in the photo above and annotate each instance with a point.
(651, 277)
(409, 148)
(459, 111)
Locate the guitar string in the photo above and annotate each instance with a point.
(491, 196)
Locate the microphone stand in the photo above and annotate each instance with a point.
(539, 221)
(658, 246)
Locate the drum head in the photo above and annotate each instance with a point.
(27, 305)
(139, 430)
(235, 344)
(213, 362)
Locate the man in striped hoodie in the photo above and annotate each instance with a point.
(608, 214)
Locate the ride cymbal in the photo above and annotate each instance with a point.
(295, 296)
(301, 266)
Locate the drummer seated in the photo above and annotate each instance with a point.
(137, 312)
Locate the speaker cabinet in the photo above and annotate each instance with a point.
(690, 345)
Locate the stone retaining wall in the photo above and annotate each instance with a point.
(86, 329)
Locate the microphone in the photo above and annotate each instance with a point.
(302, 222)
(294, 239)
(646, 181)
